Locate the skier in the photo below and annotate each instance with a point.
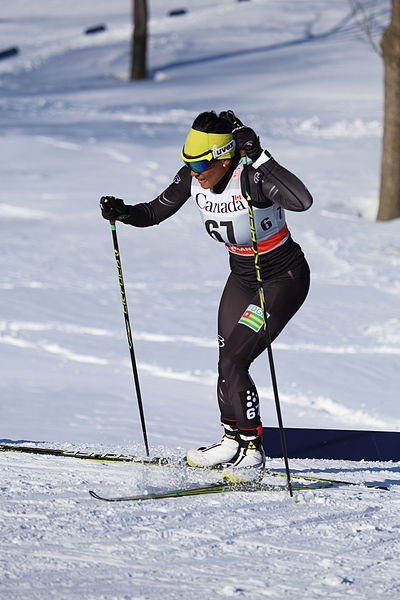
(214, 176)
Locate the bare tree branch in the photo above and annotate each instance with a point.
(365, 12)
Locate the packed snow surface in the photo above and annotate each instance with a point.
(73, 129)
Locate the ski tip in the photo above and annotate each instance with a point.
(94, 495)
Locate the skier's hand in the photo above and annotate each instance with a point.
(113, 209)
(247, 142)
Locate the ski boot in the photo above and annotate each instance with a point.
(248, 463)
(216, 454)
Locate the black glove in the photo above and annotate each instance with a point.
(247, 141)
(113, 209)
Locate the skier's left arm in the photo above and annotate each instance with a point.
(269, 181)
(277, 184)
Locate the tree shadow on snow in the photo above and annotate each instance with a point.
(346, 26)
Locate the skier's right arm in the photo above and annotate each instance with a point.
(150, 213)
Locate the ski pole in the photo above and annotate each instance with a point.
(129, 333)
(266, 327)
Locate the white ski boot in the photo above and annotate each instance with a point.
(216, 454)
(249, 462)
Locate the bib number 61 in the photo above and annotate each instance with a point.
(221, 231)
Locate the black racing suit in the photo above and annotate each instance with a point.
(284, 272)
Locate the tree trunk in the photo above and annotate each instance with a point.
(139, 41)
(389, 199)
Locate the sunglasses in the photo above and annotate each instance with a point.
(199, 166)
(206, 160)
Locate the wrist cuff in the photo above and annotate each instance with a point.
(263, 158)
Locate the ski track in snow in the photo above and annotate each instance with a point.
(8, 211)
(388, 332)
(53, 528)
(13, 333)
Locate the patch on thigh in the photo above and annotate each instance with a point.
(252, 317)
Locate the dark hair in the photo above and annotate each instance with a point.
(210, 122)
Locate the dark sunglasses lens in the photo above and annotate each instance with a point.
(198, 166)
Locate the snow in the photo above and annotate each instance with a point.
(74, 129)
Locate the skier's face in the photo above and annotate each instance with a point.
(207, 179)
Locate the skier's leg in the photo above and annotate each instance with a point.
(246, 340)
(235, 297)
(241, 339)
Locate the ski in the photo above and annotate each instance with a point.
(160, 461)
(86, 455)
(213, 488)
(298, 475)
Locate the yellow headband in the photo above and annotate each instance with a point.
(200, 145)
